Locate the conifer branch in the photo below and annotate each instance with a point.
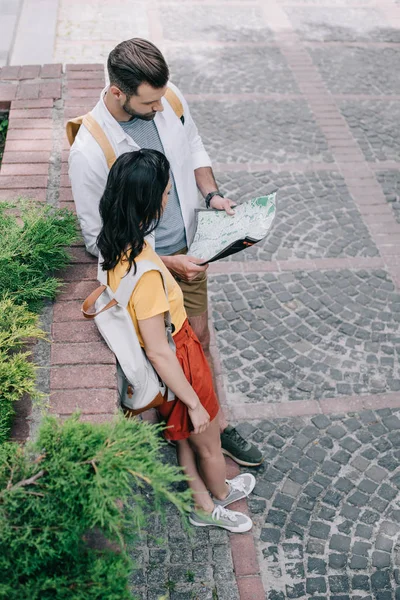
(30, 481)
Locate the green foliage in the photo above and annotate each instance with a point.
(33, 238)
(3, 133)
(84, 477)
(17, 373)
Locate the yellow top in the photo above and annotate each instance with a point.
(148, 298)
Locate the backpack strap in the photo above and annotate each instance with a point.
(72, 128)
(88, 120)
(176, 104)
(91, 301)
(128, 284)
(97, 132)
(131, 279)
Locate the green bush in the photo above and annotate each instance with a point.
(3, 133)
(34, 240)
(17, 373)
(79, 477)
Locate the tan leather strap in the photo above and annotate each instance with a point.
(175, 102)
(130, 412)
(97, 132)
(72, 128)
(90, 302)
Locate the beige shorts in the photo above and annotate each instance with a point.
(194, 292)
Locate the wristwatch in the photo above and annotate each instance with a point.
(211, 195)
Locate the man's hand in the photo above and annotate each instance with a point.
(225, 204)
(184, 267)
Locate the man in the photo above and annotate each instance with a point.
(133, 114)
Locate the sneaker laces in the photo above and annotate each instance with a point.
(238, 438)
(237, 484)
(220, 512)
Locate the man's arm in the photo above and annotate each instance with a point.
(206, 183)
(87, 189)
(203, 172)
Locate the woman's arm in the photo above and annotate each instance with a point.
(167, 366)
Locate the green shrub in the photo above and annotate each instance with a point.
(17, 373)
(84, 476)
(3, 133)
(34, 240)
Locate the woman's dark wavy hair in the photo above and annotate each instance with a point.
(131, 205)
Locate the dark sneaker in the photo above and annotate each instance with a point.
(239, 487)
(235, 522)
(239, 449)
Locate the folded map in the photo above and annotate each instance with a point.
(219, 235)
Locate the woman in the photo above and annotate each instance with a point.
(131, 207)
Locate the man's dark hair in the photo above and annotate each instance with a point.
(134, 62)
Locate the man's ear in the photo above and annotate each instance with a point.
(116, 92)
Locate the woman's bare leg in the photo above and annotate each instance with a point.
(187, 460)
(211, 461)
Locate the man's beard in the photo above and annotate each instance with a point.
(136, 115)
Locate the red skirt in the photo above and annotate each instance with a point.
(197, 371)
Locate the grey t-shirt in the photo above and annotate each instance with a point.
(170, 233)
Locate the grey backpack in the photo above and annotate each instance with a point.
(139, 386)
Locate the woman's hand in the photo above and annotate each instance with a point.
(200, 418)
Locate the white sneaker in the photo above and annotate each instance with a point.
(239, 487)
(233, 521)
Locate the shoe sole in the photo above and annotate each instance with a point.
(231, 529)
(241, 462)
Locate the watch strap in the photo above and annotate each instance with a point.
(211, 195)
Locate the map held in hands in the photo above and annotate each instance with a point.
(219, 235)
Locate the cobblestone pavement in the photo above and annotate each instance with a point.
(303, 96)
(326, 505)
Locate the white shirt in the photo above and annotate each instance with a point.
(88, 170)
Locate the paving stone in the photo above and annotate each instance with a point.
(314, 547)
(321, 421)
(364, 531)
(358, 563)
(380, 580)
(315, 585)
(340, 543)
(339, 583)
(292, 488)
(316, 565)
(380, 559)
(361, 548)
(268, 534)
(319, 530)
(360, 582)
